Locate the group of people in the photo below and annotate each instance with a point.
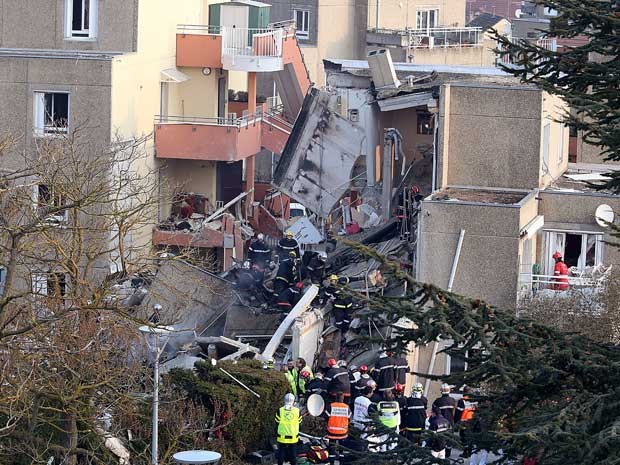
(360, 397)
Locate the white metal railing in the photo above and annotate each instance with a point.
(264, 42)
(530, 283)
(445, 37)
(231, 120)
(548, 43)
(199, 29)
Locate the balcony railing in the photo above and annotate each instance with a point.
(262, 42)
(198, 29)
(438, 37)
(531, 284)
(231, 120)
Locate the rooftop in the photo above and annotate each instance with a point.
(485, 21)
(487, 196)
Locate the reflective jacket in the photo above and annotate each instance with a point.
(288, 425)
(389, 414)
(465, 410)
(300, 382)
(402, 368)
(286, 245)
(290, 377)
(315, 386)
(438, 424)
(338, 415)
(361, 417)
(415, 413)
(338, 380)
(384, 373)
(288, 271)
(259, 252)
(447, 406)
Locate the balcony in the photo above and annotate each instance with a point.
(435, 37)
(233, 49)
(591, 280)
(214, 139)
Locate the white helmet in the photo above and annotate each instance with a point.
(260, 236)
(417, 390)
(445, 388)
(289, 400)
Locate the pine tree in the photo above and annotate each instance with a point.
(586, 76)
(540, 391)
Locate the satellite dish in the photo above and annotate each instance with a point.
(604, 215)
(315, 405)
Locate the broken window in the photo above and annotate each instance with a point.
(302, 24)
(426, 125)
(51, 113)
(47, 200)
(579, 249)
(81, 19)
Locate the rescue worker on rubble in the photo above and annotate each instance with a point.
(259, 253)
(288, 244)
(338, 414)
(316, 385)
(288, 419)
(560, 273)
(337, 379)
(414, 417)
(290, 373)
(316, 268)
(342, 302)
(288, 273)
(289, 297)
(383, 372)
(303, 381)
(302, 367)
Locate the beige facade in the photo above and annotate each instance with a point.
(396, 14)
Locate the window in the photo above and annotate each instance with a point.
(51, 113)
(545, 147)
(561, 145)
(426, 19)
(46, 199)
(49, 284)
(81, 19)
(425, 123)
(579, 249)
(302, 23)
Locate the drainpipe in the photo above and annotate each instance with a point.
(434, 174)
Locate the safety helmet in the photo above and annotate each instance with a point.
(260, 236)
(299, 285)
(246, 265)
(363, 369)
(305, 374)
(331, 362)
(292, 254)
(445, 388)
(557, 255)
(270, 362)
(353, 368)
(417, 387)
(343, 280)
(289, 400)
(323, 256)
(372, 384)
(333, 278)
(399, 388)
(342, 363)
(289, 234)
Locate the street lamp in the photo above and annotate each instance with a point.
(156, 338)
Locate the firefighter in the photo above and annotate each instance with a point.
(302, 367)
(362, 382)
(465, 412)
(337, 379)
(342, 305)
(288, 420)
(288, 273)
(288, 244)
(315, 385)
(438, 424)
(402, 368)
(289, 298)
(316, 268)
(560, 273)
(338, 414)
(414, 418)
(259, 253)
(447, 406)
(389, 416)
(383, 372)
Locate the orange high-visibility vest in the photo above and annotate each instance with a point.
(338, 422)
(468, 411)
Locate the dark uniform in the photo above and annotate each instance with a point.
(438, 424)
(446, 405)
(402, 368)
(414, 418)
(361, 384)
(384, 373)
(288, 298)
(316, 269)
(259, 253)
(338, 380)
(343, 304)
(286, 245)
(287, 275)
(316, 386)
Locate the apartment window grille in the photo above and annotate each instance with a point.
(47, 199)
(302, 24)
(81, 19)
(426, 19)
(51, 113)
(425, 123)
